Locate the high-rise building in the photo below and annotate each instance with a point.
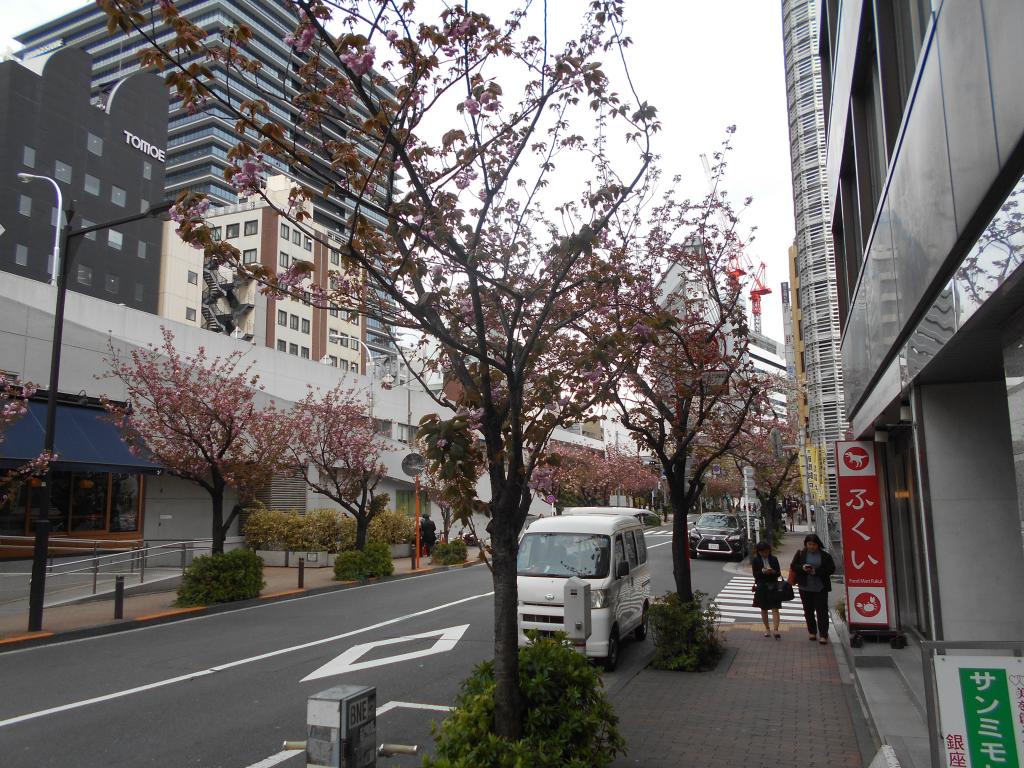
(107, 163)
(815, 290)
(198, 142)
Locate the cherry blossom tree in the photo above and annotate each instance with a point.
(334, 443)
(199, 419)
(689, 387)
(442, 136)
(581, 475)
(13, 405)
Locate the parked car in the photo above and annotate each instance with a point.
(717, 533)
(645, 516)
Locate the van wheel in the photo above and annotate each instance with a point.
(611, 661)
(640, 633)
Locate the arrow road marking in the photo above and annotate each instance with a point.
(346, 662)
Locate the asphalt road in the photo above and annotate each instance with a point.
(227, 689)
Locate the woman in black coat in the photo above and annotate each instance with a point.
(813, 567)
(766, 574)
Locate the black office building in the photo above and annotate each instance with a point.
(108, 159)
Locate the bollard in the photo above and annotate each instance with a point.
(119, 597)
(37, 589)
(341, 728)
(302, 572)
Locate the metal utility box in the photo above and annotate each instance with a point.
(341, 728)
(577, 610)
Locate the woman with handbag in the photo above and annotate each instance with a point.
(812, 568)
(767, 592)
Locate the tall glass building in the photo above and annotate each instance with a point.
(815, 261)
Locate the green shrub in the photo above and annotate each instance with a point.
(350, 566)
(569, 722)
(390, 527)
(686, 634)
(267, 528)
(235, 575)
(322, 530)
(378, 559)
(452, 553)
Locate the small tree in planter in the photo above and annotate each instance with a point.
(337, 450)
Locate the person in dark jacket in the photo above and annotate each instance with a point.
(814, 567)
(428, 532)
(766, 574)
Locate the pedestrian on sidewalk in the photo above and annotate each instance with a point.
(428, 532)
(766, 596)
(812, 569)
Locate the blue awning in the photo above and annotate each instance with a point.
(86, 440)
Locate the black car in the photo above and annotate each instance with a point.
(717, 533)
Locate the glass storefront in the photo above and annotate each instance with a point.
(83, 504)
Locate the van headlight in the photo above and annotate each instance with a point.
(598, 598)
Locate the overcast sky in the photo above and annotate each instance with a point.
(705, 64)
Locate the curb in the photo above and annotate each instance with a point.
(38, 639)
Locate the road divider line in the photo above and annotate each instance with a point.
(280, 757)
(232, 664)
(655, 546)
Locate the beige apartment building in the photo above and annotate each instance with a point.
(197, 292)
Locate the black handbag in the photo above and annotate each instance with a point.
(785, 590)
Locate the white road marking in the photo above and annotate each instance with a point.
(346, 662)
(231, 664)
(735, 604)
(287, 754)
(655, 546)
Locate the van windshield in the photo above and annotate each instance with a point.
(561, 555)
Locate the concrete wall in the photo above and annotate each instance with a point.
(972, 503)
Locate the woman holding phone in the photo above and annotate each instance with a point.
(813, 567)
(766, 574)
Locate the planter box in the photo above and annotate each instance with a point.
(401, 550)
(276, 558)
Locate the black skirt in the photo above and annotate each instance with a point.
(767, 595)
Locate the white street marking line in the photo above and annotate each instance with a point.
(346, 662)
(655, 546)
(229, 665)
(287, 754)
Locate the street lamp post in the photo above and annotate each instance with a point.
(67, 238)
(25, 178)
(386, 380)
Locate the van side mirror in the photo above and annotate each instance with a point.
(621, 569)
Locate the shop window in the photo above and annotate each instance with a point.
(12, 514)
(124, 502)
(252, 227)
(89, 501)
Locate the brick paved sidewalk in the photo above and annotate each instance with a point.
(769, 704)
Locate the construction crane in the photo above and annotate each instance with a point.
(738, 263)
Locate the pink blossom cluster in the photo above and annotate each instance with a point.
(359, 62)
(248, 174)
(465, 177)
(304, 39)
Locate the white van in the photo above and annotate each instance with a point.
(607, 550)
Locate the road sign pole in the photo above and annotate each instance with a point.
(417, 561)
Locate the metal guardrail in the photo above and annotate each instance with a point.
(134, 559)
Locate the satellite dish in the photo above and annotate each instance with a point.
(413, 464)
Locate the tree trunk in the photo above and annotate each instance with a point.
(362, 529)
(508, 709)
(680, 536)
(217, 499)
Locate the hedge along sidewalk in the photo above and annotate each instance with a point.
(95, 616)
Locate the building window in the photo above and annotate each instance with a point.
(230, 231)
(115, 239)
(95, 145)
(215, 234)
(62, 171)
(141, 251)
(92, 184)
(285, 232)
(334, 361)
(252, 227)
(308, 245)
(334, 310)
(282, 317)
(335, 257)
(28, 156)
(295, 322)
(293, 349)
(353, 317)
(24, 205)
(305, 325)
(304, 354)
(21, 255)
(85, 224)
(249, 256)
(282, 346)
(112, 284)
(84, 275)
(282, 260)
(297, 237)
(193, 277)
(147, 170)
(190, 314)
(143, 205)
(138, 292)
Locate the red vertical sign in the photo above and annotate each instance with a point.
(860, 514)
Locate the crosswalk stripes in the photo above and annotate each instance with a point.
(734, 603)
